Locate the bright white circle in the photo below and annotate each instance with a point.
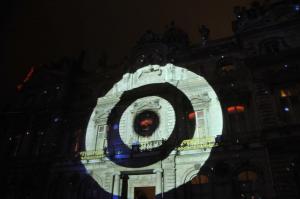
(208, 116)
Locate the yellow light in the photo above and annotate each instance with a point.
(285, 93)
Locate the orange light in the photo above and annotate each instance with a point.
(240, 108)
(231, 109)
(191, 115)
(29, 75)
(236, 109)
(285, 93)
(26, 79)
(146, 122)
(228, 68)
(19, 87)
(200, 179)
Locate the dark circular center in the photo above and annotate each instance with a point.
(146, 122)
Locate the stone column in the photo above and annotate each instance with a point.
(116, 185)
(158, 185)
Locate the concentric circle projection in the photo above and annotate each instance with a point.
(121, 154)
(148, 118)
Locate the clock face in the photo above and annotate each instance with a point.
(151, 113)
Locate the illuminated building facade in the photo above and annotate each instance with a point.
(255, 75)
(150, 129)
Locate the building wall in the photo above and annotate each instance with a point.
(255, 75)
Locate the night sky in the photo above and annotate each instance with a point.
(40, 31)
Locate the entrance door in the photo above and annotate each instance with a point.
(144, 192)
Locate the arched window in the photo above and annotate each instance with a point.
(289, 104)
(248, 175)
(248, 185)
(237, 117)
(226, 67)
(199, 187)
(236, 109)
(272, 45)
(200, 179)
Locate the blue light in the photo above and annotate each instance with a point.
(297, 7)
(286, 109)
(121, 156)
(116, 197)
(116, 126)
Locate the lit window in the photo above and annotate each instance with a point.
(289, 105)
(200, 179)
(237, 120)
(246, 176)
(228, 68)
(285, 93)
(236, 109)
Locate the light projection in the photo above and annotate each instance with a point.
(153, 118)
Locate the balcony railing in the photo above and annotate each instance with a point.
(191, 144)
(198, 143)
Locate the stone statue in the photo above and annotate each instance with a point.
(204, 32)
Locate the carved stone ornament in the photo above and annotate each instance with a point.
(152, 69)
(146, 105)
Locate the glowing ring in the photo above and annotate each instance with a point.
(199, 93)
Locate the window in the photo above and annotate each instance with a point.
(199, 187)
(200, 179)
(200, 121)
(248, 185)
(228, 68)
(100, 137)
(285, 93)
(78, 136)
(236, 116)
(39, 142)
(235, 109)
(271, 46)
(289, 106)
(14, 145)
(247, 176)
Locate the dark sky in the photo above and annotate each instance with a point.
(39, 31)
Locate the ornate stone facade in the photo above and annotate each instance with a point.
(255, 74)
(165, 174)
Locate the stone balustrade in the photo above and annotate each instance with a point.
(191, 144)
